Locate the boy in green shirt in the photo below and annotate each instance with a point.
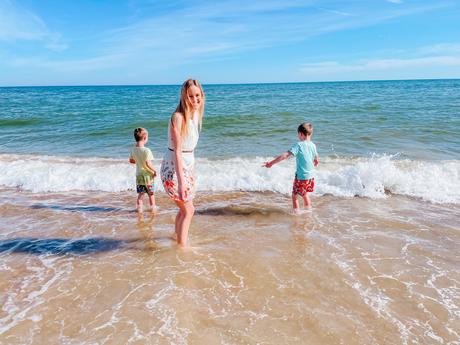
(145, 173)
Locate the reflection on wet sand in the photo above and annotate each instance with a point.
(145, 227)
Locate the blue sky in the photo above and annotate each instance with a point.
(103, 42)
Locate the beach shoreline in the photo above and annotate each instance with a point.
(374, 262)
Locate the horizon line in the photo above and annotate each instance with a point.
(244, 83)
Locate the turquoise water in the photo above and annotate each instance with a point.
(415, 119)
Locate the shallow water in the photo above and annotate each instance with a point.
(84, 268)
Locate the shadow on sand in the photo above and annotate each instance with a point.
(60, 246)
(77, 208)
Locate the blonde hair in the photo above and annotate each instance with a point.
(185, 108)
(305, 128)
(140, 133)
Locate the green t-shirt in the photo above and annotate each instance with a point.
(142, 155)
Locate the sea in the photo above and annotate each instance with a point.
(375, 261)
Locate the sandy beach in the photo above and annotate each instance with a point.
(78, 269)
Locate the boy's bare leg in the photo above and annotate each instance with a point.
(153, 207)
(139, 204)
(306, 201)
(295, 203)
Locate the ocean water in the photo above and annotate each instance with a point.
(375, 262)
(373, 137)
(416, 119)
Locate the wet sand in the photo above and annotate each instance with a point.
(83, 268)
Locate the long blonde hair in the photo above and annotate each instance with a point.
(185, 108)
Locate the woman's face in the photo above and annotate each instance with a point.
(194, 96)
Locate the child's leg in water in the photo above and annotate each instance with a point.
(139, 204)
(295, 203)
(306, 201)
(152, 203)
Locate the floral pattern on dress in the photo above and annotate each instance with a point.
(169, 180)
(302, 187)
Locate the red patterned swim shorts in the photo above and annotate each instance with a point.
(302, 187)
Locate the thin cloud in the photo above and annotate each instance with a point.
(214, 48)
(441, 48)
(331, 67)
(235, 26)
(77, 65)
(18, 24)
(340, 13)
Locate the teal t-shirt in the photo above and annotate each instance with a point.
(305, 153)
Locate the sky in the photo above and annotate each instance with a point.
(131, 42)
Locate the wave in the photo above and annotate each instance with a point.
(372, 177)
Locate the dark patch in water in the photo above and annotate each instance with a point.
(372, 107)
(255, 133)
(60, 246)
(77, 208)
(240, 211)
(19, 122)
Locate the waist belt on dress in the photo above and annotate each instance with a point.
(183, 151)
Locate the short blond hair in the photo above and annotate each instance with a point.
(140, 133)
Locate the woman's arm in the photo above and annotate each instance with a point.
(176, 122)
(277, 159)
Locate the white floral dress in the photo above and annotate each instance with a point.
(168, 169)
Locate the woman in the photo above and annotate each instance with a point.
(177, 169)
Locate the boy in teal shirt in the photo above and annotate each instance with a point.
(145, 173)
(306, 161)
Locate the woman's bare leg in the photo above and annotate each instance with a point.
(183, 221)
(177, 223)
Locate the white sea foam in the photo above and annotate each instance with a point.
(373, 177)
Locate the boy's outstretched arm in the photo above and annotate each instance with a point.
(316, 161)
(277, 159)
